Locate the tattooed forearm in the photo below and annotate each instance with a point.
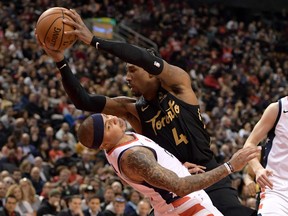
(143, 163)
(200, 181)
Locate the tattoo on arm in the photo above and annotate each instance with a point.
(143, 163)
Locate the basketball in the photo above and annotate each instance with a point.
(50, 29)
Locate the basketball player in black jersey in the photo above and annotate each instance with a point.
(167, 110)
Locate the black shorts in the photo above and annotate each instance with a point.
(227, 202)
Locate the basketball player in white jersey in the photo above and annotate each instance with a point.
(272, 176)
(153, 171)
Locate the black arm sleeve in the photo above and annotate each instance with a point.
(79, 96)
(131, 54)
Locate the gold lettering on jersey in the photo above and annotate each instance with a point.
(172, 112)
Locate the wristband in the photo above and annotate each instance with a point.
(62, 64)
(94, 42)
(228, 168)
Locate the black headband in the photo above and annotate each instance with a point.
(98, 128)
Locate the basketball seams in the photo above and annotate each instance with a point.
(62, 30)
(48, 30)
(50, 24)
(48, 14)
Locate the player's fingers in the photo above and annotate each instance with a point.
(74, 15)
(192, 165)
(267, 183)
(263, 182)
(195, 170)
(251, 190)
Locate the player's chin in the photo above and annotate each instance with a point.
(136, 93)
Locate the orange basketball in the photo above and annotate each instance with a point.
(50, 29)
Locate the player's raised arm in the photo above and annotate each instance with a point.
(121, 106)
(173, 78)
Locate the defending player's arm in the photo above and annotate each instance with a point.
(259, 132)
(248, 179)
(173, 78)
(140, 165)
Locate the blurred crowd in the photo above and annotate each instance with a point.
(238, 64)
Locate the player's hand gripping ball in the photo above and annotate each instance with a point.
(50, 29)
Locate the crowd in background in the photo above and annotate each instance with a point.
(238, 65)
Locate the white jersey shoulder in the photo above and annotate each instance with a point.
(276, 149)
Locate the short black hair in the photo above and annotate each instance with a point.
(10, 196)
(94, 197)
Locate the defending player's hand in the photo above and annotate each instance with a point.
(194, 168)
(243, 156)
(81, 30)
(262, 178)
(251, 189)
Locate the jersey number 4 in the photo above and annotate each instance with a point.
(179, 138)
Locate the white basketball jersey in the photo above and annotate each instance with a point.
(163, 202)
(276, 149)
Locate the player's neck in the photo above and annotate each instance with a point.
(127, 138)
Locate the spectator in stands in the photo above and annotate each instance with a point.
(47, 187)
(25, 168)
(93, 207)
(8, 118)
(12, 145)
(52, 206)
(29, 150)
(36, 180)
(3, 174)
(116, 208)
(88, 192)
(62, 182)
(4, 134)
(67, 159)
(86, 164)
(97, 185)
(133, 200)
(49, 135)
(65, 129)
(109, 196)
(10, 207)
(75, 180)
(8, 181)
(3, 190)
(30, 194)
(143, 208)
(74, 207)
(16, 175)
(55, 152)
(44, 150)
(117, 187)
(43, 167)
(22, 206)
(10, 161)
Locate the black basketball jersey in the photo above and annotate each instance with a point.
(176, 126)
